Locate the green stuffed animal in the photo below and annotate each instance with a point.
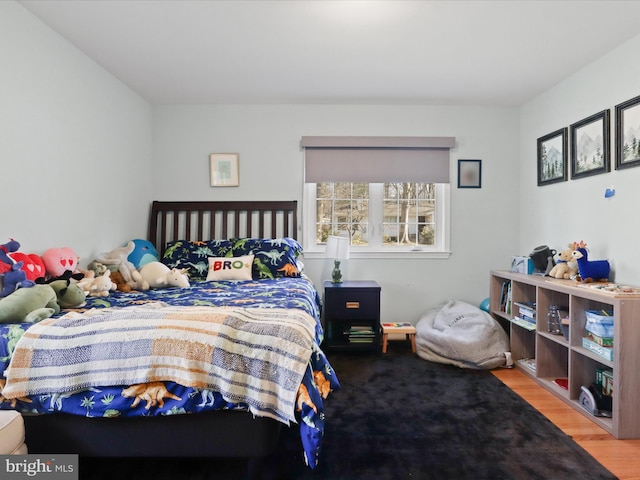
(29, 305)
(69, 294)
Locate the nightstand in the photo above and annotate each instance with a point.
(351, 315)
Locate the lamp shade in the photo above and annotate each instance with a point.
(337, 248)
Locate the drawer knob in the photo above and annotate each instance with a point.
(352, 304)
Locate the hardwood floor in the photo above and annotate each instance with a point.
(620, 457)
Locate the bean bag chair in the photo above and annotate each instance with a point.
(463, 335)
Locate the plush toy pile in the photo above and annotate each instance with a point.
(33, 288)
(573, 263)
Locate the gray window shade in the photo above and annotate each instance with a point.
(377, 159)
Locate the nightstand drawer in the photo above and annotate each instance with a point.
(353, 304)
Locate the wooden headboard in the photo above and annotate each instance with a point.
(196, 221)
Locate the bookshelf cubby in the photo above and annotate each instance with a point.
(549, 358)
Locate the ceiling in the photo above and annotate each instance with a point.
(500, 53)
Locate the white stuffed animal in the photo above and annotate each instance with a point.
(158, 275)
(97, 286)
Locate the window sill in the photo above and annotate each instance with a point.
(383, 254)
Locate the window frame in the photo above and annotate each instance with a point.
(441, 249)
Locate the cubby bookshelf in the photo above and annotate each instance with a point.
(546, 357)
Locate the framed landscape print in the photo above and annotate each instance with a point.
(552, 157)
(590, 146)
(628, 134)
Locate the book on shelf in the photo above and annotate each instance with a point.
(360, 334)
(526, 309)
(604, 352)
(529, 363)
(524, 323)
(603, 341)
(507, 305)
(604, 380)
(504, 294)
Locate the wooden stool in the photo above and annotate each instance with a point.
(392, 328)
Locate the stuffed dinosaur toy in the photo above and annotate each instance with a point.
(69, 294)
(29, 305)
(14, 278)
(32, 264)
(5, 250)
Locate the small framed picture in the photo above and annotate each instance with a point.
(590, 146)
(628, 134)
(469, 173)
(552, 157)
(224, 169)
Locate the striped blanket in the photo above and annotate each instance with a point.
(255, 356)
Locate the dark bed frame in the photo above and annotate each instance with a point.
(212, 434)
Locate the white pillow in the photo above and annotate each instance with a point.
(230, 268)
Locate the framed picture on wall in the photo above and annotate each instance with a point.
(552, 157)
(590, 140)
(628, 134)
(469, 173)
(224, 169)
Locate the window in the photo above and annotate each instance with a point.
(378, 218)
(388, 195)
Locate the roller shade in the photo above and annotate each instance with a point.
(377, 159)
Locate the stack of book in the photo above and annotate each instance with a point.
(361, 334)
(527, 311)
(526, 315)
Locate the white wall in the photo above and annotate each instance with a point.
(577, 210)
(75, 144)
(267, 139)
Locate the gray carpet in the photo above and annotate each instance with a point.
(401, 417)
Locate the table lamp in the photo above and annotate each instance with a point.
(338, 249)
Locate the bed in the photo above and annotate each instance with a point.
(263, 334)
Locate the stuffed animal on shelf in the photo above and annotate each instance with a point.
(29, 305)
(118, 258)
(158, 275)
(590, 270)
(566, 266)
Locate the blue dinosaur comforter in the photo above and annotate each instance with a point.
(171, 398)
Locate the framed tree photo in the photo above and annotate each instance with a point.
(223, 169)
(628, 134)
(590, 146)
(552, 157)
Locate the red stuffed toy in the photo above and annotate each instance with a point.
(32, 264)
